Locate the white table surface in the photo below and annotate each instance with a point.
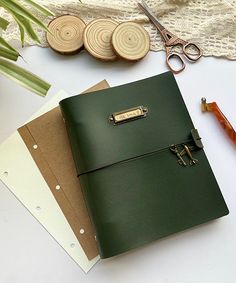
(202, 254)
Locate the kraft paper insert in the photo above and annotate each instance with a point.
(47, 140)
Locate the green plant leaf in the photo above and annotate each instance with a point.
(25, 26)
(3, 23)
(22, 33)
(16, 9)
(4, 44)
(40, 8)
(24, 77)
(8, 54)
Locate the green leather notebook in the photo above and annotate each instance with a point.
(140, 163)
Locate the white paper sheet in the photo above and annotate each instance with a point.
(20, 174)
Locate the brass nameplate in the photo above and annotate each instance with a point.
(128, 114)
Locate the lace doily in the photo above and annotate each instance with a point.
(209, 23)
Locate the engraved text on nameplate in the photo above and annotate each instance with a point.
(129, 114)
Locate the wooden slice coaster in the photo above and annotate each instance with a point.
(97, 39)
(131, 41)
(66, 34)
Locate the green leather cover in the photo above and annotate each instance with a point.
(135, 190)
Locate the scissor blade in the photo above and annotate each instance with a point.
(150, 15)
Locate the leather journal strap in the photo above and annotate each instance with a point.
(193, 143)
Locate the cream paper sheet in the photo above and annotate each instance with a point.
(20, 174)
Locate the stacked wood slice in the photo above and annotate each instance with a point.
(97, 39)
(66, 34)
(104, 39)
(131, 41)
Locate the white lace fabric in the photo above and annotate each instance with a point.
(209, 23)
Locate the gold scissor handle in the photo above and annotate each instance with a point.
(172, 55)
(193, 57)
(186, 46)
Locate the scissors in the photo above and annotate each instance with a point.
(171, 41)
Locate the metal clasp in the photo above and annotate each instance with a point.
(186, 149)
(128, 115)
(181, 152)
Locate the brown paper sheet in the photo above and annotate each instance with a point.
(47, 141)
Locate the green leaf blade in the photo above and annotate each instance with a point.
(16, 9)
(22, 34)
(8, 54)
(24, 78)
(3, 23)
(40, 8)
(4, 44)
(25, 26)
